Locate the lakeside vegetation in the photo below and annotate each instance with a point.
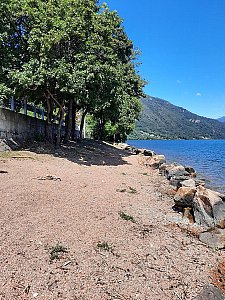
(69, 56)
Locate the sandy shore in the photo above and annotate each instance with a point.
(110, 217)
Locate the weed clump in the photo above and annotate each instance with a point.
(121, 190)
(56, 251)
(126, 217)
(132, 190)
(104, 246)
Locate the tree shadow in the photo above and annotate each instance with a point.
(88, 152)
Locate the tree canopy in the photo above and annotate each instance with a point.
(70, 55)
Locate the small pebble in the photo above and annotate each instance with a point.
(35, 295)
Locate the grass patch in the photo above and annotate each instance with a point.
(6, 154)
(16, 155)
(132, 190)
(126, 217)
(56, 251)
(104, 246)
(121, 190)
(146, 174)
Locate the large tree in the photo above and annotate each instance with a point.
(68, 55)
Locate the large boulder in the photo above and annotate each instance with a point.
(148, 152)
(176, 181)
(176, 172)
(209, 208)
(138, 151)
(155, 161)
(200, 181)
(188, 183)
(191, 171)
(214, 238)
(210, 292)
(163, 168)
(172, 169)
(185, 196)
(9, 144)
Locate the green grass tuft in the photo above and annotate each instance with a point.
(104, 246)
(56, 251)
(126, 217)
(132, 190)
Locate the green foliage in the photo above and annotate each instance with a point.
(56, 251)
(104, 246)
(5, 94)
(126, 217)
(162, 120)
(132, 190)
(55, 52)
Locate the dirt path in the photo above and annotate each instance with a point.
(69, 238)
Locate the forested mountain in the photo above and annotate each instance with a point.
(162, 120)
(222, 119)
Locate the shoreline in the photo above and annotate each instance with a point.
(114, 217)
(200, 205)
(204, 157)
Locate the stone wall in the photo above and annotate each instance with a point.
(19, 126)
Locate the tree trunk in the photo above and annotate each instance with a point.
(61, 115)
(58, 139)
(49, 120)
(69, 122)
(82, 122)
(73, 121)
(101, 125)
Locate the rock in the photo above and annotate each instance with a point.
(209, 208)
(188, 215)
(177, 180)
(188, 183)
(35, 295)
(164, 168)
(8, 145)
(176, 171)
(3, 146)
(190, 170)
(185, 196)
(210, 292)
(214, 238)
(155, 161)
(171, 192)
(200, 181)
(148, 152)
(130, 148)
(138, 151)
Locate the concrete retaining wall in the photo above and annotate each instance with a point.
(19, 126)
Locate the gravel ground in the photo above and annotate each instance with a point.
(91, 223)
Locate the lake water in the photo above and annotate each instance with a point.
(207, 157)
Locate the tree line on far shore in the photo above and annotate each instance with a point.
(69, 56)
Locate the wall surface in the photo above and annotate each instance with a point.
(19, 126)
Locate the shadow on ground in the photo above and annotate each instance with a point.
(88, 152)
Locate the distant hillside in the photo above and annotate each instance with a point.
(163, 120)
(222, 119)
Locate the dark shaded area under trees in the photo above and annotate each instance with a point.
(69, 56)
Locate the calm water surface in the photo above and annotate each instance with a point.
(207, 157)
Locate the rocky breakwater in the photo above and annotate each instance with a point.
(203, 207)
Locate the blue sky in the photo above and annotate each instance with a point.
(183, 50)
